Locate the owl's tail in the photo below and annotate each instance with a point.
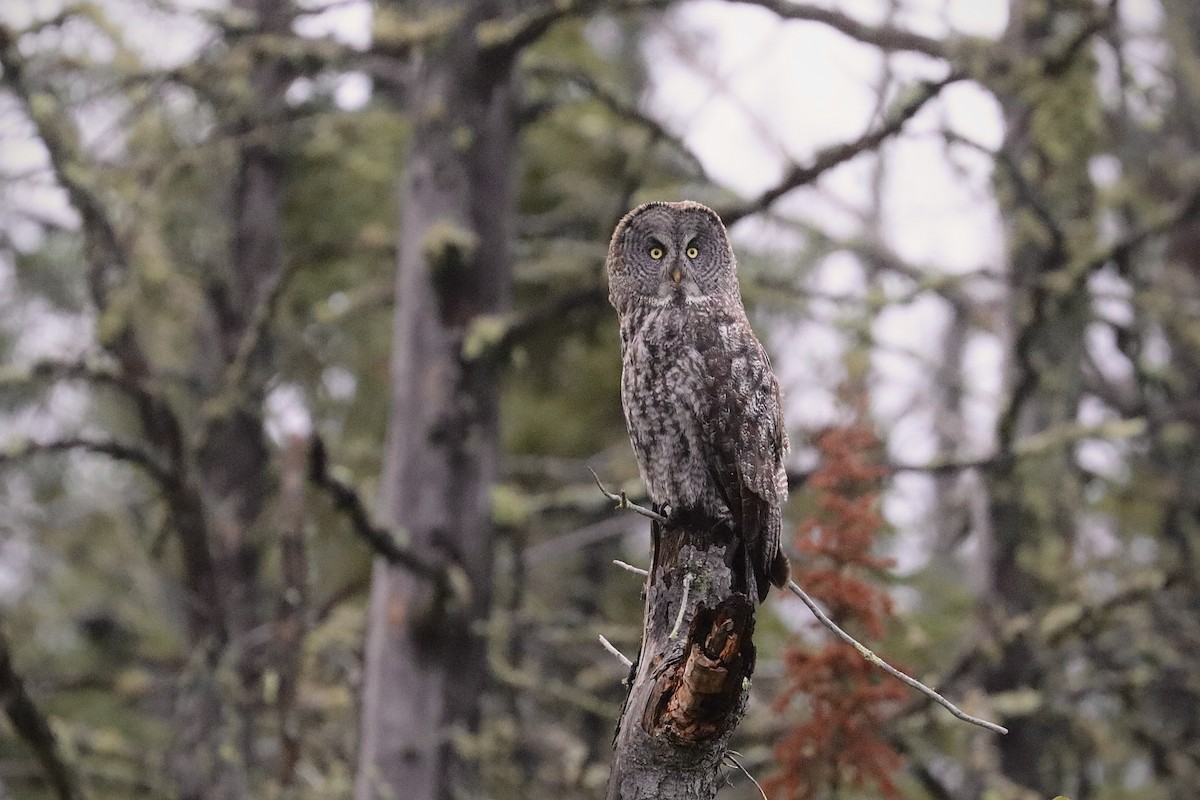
(766, 560)
(764, 563)
(781, 570)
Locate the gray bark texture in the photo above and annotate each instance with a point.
(233, 462)
(425, 660)
(1049, 314)
(692, 676)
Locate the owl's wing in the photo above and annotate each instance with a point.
(744, 427)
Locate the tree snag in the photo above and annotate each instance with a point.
(692, 676)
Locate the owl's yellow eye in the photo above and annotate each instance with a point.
(692, 252)
(656, 253)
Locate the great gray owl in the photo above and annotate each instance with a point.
(700, 399)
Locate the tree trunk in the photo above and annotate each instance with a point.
(1048, 203)
(425, 659)
(692, 676)
(215, 750)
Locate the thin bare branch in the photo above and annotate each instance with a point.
(623, 502)
(687, 588)
(574, 541)
(866, 653)
(612, 649)
(631, 568)
(732, 756)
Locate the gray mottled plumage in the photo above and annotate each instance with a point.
(700, 399)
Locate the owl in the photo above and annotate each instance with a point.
(700, 399)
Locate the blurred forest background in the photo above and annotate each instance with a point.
(235, 235)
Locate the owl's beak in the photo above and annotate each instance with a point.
(677, 275)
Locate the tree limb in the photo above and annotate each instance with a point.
(615, 652)
(886, 37)
(98, 373)
(119, 451)
(626, 111)
(1057, 622)
(834, 155)
(508, 37)
(504, 39)
(1074, 274)
(494, 337)
(107, 258)
(58, 135)
(32, 725)
(688, 692)
(347, 500)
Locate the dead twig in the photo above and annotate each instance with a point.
(631, 568)
(742, 767)
(610, 647)
(866, 653)
(623, 502)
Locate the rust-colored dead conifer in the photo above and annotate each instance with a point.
(841, 742)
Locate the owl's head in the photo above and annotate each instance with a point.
(662, 252)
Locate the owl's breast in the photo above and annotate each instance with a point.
(664, 396)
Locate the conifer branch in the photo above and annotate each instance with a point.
(97, 373)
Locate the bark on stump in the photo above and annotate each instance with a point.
(692, 676)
